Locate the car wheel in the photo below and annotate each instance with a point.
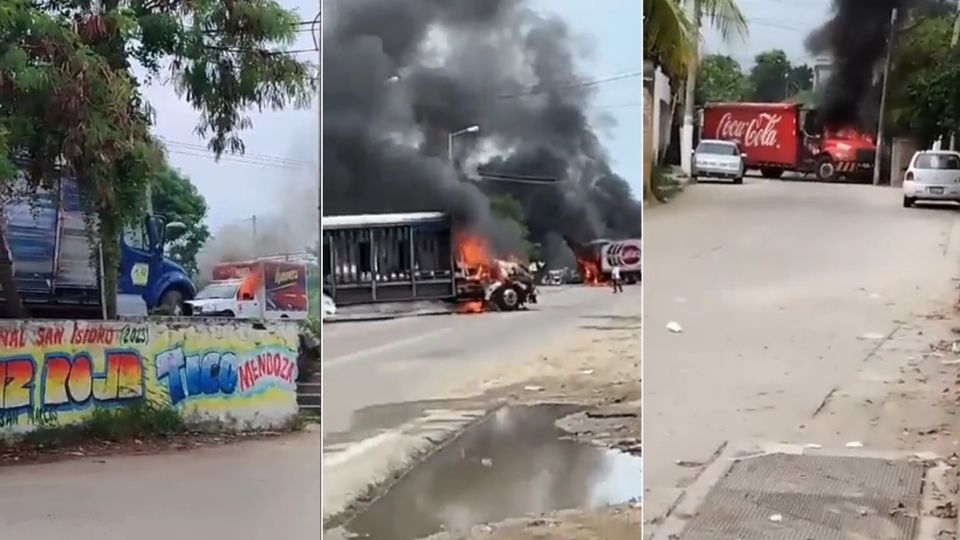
(172, 302)
(826, 170)
(738, 180)
(908, 201)
(507, 298)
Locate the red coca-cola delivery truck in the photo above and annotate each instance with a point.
(779, 137)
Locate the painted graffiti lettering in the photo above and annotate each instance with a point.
(266, 365)
(134, 335)
(92, 335)
(196, 374)
(39, 418)
(758, 131)
(49, 335)
(16, 383)
(13, 338)
(71, 381)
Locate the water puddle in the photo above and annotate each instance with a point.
(511, 464)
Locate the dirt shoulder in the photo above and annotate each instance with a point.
(600, 368)
(621, 522)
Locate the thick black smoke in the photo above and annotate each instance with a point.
(400, 75)
(856, 38)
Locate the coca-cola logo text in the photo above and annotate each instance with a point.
(760, 130)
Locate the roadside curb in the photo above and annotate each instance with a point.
(385, 317)
(694, 495)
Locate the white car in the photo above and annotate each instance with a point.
(715, 158)
(329, 308)
(933, 175)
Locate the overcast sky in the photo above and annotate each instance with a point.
(238, 188)
(611, 42)
(774, 24)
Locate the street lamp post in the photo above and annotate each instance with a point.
(469, 129)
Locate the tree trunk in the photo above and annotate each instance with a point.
(11, 296)
(110, 262)
(648, 194)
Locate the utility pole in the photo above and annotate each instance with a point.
(686, 131)
(953, 45)
(883, 97)
(317, 31)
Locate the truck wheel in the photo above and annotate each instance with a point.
(772, 173)
(172, 302)
(738, 180)
(908, 201)
(507, 298)
(826, 169)
(228, 314)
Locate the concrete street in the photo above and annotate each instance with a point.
(258, 489)
(393, 389)
(403, 360)
(782, 289)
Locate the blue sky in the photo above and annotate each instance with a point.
(611, 41)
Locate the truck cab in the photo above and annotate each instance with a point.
(146, 273)
(56, 269)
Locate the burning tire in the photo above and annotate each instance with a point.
(507, 298)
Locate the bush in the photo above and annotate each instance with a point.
(143, 420)
(664, 185)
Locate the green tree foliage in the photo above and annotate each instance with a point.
(70, 97)
(924, 79)
(721, 79)
(768, 76)
(176, 199)
(63, 105)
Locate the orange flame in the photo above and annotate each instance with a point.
(476, 261)
(590, 271)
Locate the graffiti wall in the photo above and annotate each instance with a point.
(57, 372)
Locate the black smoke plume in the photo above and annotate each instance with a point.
(400, 75)
(856, 38)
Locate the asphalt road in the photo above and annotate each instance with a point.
(404, 360)
(781, 289)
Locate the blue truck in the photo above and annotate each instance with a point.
(54, 266)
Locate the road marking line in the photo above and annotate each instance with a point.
(357, 355)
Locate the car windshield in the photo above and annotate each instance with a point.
(938, 161)
(717, 149)
(218, 290)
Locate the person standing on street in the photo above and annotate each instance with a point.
(615, 278)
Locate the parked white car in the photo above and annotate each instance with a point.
(329, 308)
(715, 158)
(933, 175)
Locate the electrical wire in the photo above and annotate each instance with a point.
(580, 84)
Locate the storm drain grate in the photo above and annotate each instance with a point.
(816, 497)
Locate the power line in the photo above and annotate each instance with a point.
(234, 159)
(580, 84)
(261, 157)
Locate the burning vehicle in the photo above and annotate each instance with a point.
(779, 137)
(418, 256)
(258, 289)
(595, 260)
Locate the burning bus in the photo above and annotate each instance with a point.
(418, 256)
